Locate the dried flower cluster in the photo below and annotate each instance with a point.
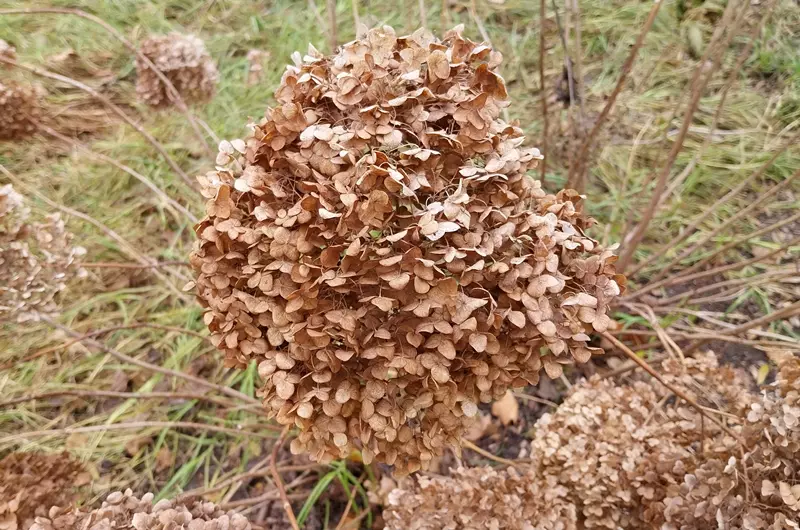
(36, 259)
(7, 50)
(183, 60)
(123, 510)
(19, 109)
(32, 482)
(376, 246)
(622, 457)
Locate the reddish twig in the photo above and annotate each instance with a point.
(117, 265)
(333, 38)
(173, 93)
(287, 506)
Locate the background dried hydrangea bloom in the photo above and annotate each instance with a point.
(123, 510)
(183, 59)
(30, 483)
(626, 457)
(377, 247)
(36, 259)
(19, 109)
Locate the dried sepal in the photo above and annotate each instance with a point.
(377, 248)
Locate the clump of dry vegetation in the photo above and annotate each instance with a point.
(378, 248)
(37, 259)
(184, 61)
(625, 457)
(124, 510)
(30, 483)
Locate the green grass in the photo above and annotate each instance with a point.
(762, 110)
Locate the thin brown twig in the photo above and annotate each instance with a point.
(173, 93)
(50, 349)
(122, 167)
(118, 265)
(108, 103)
(742, 239)
(133, 425)
(632, 239)
(786, 312)
(678, 392)
(149, 366)
(129, 395)
(312, 6)
(349, 505)
(423, 14)
(581, 158)
(725, 224)
(543, 90)
(682, 277)
(756, 279)
(333, 38)
(486, 454)
(356, 17)
(124, 245)
(276, 477)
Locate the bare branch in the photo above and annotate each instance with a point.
(543, 90)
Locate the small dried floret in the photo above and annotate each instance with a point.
(37, 260)
(123, 510)
(32, 482)
(19, 109)
(377, 247)
(631, 457)
(183, 60)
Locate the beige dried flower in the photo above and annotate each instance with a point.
(631, 457)
(32, 482)
(123, 510)
(378, 249)
(37, 260)
(19, 110)
(183, 59)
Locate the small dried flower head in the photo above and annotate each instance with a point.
(124, 510)
(378, 249)
(30, 483)
(7, 50)
(37, 259)
(183, 60)
(630, 457)
(19, 110)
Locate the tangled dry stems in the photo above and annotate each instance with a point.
(37, 259)
(183, 59)
(629, 457)
(32, 482)
(377, 247)
(123, 510)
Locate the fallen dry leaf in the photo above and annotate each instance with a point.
(506, 409)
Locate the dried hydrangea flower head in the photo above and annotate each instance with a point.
(20, 109)
(377, 248)
(627, 456)
(37, 260)
(7, 50)
(30, 483)
(123, 510)
(183, 59)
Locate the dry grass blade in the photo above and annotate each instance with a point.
(176, 97)
(108, 103)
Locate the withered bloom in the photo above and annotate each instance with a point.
(123, 510)
(183, 60)
(20, 108)
(377, 247)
